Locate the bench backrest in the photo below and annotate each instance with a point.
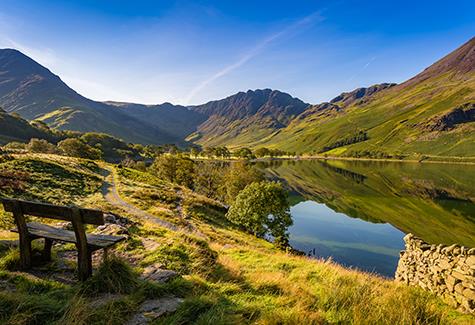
(50, 211)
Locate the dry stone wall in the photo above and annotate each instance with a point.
(448, 271)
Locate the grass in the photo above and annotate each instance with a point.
(226, 276)
(112, 276)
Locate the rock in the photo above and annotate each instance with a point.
(112, 229)
(408, 238)
(450, 281)
(150, 244)
(444, 263)
(152, 309)
(458, 275)
(469, 294)
(152, 273)
(459, 288)
(448, 271)
(470, 261)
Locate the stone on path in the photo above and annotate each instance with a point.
(156, 274)
(152, 309)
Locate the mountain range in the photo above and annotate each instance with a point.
(432, 113)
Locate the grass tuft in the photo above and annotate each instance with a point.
(113, 276)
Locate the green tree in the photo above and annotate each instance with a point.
(244, 153)
(76, 148)
(209, 179)
(237, 177)
(175, 169)
(195, 151)
(222, 152)
(262, 152)
(263, 208)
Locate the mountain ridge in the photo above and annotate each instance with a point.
(386, 118)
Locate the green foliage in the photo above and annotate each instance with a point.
(263, 208)
(262, 152)
(175, 169)
(244, 153)
(209, 179)
(14, 145)
(76, 148)
(41, 146)
(237, 177)
(11, 260)
(216, 152)
(358, 137)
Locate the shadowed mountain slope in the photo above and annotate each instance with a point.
(246, 117)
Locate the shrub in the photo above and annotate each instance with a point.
(76, 148)
(41, 146)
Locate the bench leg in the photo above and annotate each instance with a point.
(84, 264)
(106, 254)
(47, 250)
(25, 253)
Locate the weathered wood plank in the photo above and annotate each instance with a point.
(25, 239)
(84, 253)
(40, 230)
(45, 210)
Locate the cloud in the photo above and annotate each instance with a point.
(259, 48)
(362, 69)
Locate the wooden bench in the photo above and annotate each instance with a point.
(85, 243)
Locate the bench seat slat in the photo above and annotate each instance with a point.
(45, 231)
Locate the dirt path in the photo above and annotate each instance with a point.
(110, 193)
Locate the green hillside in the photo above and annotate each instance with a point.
(432, 114)
(14, 128)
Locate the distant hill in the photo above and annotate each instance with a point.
(432, 113)
(246, 117)
(34, 92)
(173, 119)
(14, 128)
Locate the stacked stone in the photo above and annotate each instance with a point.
(448, 271)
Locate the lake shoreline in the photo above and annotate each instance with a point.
(364, 159)
(267, 159)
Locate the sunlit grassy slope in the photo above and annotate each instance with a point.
(394, 121)
(227, 276)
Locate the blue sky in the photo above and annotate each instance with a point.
(190, 52)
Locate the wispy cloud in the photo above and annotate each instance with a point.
(259, 48)
(362, 69)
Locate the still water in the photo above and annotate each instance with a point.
(358, 212)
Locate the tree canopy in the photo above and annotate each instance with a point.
(262, 208)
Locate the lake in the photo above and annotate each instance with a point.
(357, 212)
